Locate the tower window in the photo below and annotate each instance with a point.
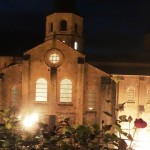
(63, 25)
(130, 94)
(75, 28)
(75, 45)
(66, 90)
(41, 90)
(51, 27)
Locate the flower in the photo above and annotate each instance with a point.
(140, 123)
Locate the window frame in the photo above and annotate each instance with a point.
(131, 97)
(76, 28)
(51, 27)
(63, 25)
(91, 99)
(49, 53)
(46, 91)
(66, 102)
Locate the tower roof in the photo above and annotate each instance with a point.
(65, 6)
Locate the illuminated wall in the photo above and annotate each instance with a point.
(135, 91)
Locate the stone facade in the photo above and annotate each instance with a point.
(134, 91)
(54, 80)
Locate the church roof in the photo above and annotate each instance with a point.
(122, 63)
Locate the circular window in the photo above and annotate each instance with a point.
(54, 58)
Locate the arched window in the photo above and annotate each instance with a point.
(14, 96)
(130, 94)
(66, 90)
(75, 28)
(51, 27)
(41, 90)
(63, 25)
(75, 45)
(54, 58)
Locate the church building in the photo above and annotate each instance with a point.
(53, 79)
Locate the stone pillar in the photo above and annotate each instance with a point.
(108, 92)
(80, 91)
(53, 94)
(25, 85)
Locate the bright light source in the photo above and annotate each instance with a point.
(75, 45)
(30, 120)
(143, 140)
(90, 108)
(19, 117)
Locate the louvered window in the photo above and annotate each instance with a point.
(131, 95)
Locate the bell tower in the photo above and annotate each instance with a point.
(64, 24)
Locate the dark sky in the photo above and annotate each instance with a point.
(110, 26)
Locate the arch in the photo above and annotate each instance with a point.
(41, 90)
(66, 90)
(131, 94)
(63, 25)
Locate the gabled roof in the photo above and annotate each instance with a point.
(49, 44)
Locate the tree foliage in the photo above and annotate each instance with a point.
(63, 136)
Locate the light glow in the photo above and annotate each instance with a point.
(142, 142)
(90, 108)
(140, 136)
(75, 45)
(30, 120)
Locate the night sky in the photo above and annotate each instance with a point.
(110, 26)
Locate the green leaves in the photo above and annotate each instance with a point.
(123, 118)
(130, 119)
(107, 113)
(117, 127)
(65, 136)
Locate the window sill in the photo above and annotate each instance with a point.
(131, 102)
(91, 111)
(40, 102)
(65, 104)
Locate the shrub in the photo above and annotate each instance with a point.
(64, 136)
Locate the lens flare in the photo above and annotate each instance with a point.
(30, 120)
